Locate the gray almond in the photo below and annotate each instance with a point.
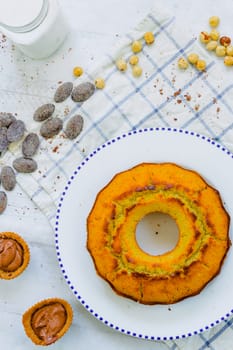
(82, 92)
(25, 165)
(74, 126)
(44, 112)
(51, 127)
(3, 201)
(15, 131)
(63, 92)
(6, 119)
(8, 178)
(3, 139)
(30, 145)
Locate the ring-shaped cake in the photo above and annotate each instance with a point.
(198, 211)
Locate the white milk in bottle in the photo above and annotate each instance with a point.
(37, 27)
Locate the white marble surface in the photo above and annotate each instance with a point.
(94, 27)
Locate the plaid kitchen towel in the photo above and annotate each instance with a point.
(163, 96)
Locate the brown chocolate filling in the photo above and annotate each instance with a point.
(11, 255)
(48, 321)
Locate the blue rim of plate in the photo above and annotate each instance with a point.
(56, 235)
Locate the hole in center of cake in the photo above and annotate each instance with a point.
(157, 233)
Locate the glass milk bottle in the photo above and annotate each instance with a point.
(37, 27)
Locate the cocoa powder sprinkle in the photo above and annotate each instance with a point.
(176, 93)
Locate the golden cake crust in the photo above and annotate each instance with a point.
(29, 327)
(201, 218)
(14, 255)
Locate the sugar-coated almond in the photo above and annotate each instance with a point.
(51, 127)
(25, 165)
(8, 179)
(44, 112)
(15, 131)
(74, 126)
(30, 144)
(63, 92)
(82, 92)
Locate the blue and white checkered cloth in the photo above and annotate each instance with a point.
(164, 96)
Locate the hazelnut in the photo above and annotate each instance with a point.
(193, 58)
(220, 51)
(77, 71)
(182, 63)
(211, 45)
(99, 83)
(214, 34)
(204, 37)
(136, 46)
(214, 21)
(121, 65)
(229, 50)
(133, 60)
(225, 41)
(137, 71)
(201, 65)
(228, 61)
(149, 38)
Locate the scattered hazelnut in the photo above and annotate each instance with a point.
(214, 21)
(149, 38)
(204, 37)
(228, 61)
(136, 46)
(99, 83)
(225, 41)
(193, 58)
(182, 63)
(121, 65)
(211, 45)
(229, 50)
(133, 60)
(137, 71)
(201, 65)
(214, 34)
(220, 51)
(77, 71)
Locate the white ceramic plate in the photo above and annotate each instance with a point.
(158, 322)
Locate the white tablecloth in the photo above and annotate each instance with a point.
(25, 84)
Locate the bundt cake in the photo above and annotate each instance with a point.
(201, 218)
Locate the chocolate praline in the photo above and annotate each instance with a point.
(14, 255)
(47, 321)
